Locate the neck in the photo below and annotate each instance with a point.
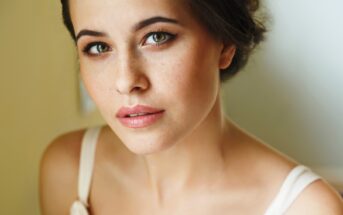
(195, 161)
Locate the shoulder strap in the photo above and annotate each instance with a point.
(297, 180)
(87, 162)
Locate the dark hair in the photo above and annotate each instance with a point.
(231, 21)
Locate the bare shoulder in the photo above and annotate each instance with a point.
(319, 198)
(58, 173)
(272, 167)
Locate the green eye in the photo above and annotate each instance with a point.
(96, 48)
(158, 38)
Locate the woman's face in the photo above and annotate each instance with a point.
(151, 58)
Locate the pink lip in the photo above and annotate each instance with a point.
(151, 115)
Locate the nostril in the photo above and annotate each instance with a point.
(135, 89)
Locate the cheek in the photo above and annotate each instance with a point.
(98, 83)
(190, 74)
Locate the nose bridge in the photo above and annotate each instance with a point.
(126, 61)
(129, 75)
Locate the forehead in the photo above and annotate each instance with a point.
(123, 13)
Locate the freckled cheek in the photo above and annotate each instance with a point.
(188, 75)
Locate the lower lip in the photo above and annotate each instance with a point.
(141, 121)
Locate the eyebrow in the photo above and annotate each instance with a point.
(152, 20)
(86, 32)
(142, 24)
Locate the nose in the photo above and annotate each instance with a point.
(130, 77)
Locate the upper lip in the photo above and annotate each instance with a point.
(138, 109)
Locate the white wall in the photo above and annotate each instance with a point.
(291, 93)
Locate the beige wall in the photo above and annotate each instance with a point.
(39, 96)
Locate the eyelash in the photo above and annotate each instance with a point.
(170, 37)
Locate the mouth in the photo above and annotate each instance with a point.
(139, 116)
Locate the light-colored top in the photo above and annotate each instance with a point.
(296, 181)
(87, 156)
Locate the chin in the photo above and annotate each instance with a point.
(146, 148)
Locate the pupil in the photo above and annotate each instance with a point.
(158, 37)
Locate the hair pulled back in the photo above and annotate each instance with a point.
(231, 21)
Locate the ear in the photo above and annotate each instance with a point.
(226, 56)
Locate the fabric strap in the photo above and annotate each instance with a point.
(86, 163)
(297, 180)
(87, 156)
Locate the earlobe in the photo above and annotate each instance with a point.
(227, 54)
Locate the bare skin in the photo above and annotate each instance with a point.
(247, 183)
(192, 161)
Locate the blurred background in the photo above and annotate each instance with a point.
(290, 95)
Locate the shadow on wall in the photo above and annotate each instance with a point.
(287, 114)
(266, 106)
(290, 94)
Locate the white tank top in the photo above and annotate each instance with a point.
(296, 181)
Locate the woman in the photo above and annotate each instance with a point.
(154, 70)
